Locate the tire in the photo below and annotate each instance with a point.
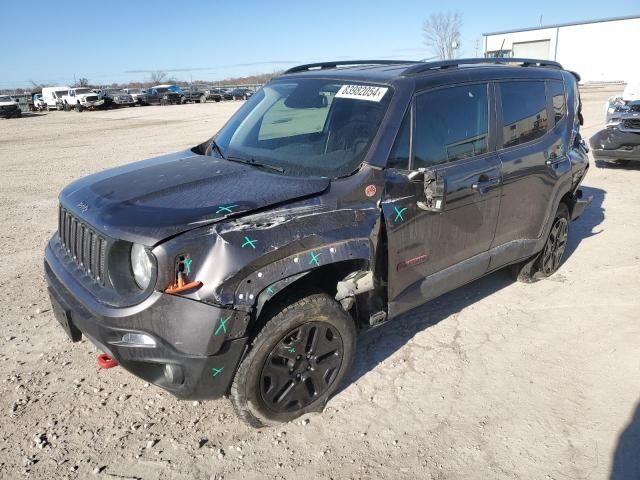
(66, 107)
(285, 373)
(203, 99)
(79, 108)
(48, 108)
(548, 261)
(163, 102)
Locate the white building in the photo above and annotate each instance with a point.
(602, 50)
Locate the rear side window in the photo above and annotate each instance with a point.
(451, 124)
(524, 112)
(556, 90)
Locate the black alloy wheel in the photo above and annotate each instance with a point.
(297, 360)
(554, 248)
(301, 367)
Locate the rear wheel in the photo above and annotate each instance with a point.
(296, 362)
(547, 262)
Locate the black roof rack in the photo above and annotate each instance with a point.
(422, 67)
(344, 63)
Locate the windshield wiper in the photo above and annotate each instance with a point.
(252, 161)
(218, 150)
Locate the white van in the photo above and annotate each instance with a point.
(52, 96)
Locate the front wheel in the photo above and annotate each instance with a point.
(79, 108)
(296, 362)
(547, 262)
(203, 99)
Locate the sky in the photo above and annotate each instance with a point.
(121, 41)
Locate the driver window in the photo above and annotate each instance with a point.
(451, 124)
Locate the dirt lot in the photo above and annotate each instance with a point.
(494, 380)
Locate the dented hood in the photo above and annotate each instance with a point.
(149, 201)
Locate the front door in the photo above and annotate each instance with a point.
(437, 244)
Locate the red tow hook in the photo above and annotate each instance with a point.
(105, 361)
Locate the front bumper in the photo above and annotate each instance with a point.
(92, 104)
(197, 346)
(9, 112)
(613, 144)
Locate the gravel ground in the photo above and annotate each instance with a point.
(494, 380)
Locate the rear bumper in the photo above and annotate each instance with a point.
(189, 359)
(579, 204)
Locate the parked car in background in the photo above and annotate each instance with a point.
(115, 97)
(240, 94)
(9, 107)
(339, 197)
(165, 95)
(139, 96)
(619, 142)
(52, 97)
(200, 94)
(38, 102)
(81, 98)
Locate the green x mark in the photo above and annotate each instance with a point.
(270, 290)
(248, 241)
(292, 350)
(226, 208)
(222, 326)
(187, 264)
(314, 258)
(216, 371)
(399, 212)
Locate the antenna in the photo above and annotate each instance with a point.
(501, 48)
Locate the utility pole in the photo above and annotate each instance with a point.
(477, 47)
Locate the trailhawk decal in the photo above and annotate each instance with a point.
(362, 92)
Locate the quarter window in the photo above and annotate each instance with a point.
(399, 157)
(524, 112)
(556, 88)
(451, 124)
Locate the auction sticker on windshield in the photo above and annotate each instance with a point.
(362, 92)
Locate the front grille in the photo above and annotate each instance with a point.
(83, 244)
(631, 124)
(92, 98)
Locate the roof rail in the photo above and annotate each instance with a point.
(524, 62)
(344, 63)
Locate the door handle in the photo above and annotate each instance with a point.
(484, 182)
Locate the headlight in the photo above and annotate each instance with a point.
(141, 265)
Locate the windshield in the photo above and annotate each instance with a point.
(306, 127)
(175, 89)
(134, 90)
(60, 93)
(162, 89)
(82, 91)
(5, 99)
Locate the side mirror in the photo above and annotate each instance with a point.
(434, 189)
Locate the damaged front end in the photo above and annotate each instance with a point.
(619, 141)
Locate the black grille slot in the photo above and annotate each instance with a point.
(83, 244)
(632, 124)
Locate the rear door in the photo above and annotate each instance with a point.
(534, 159)
(436, 250)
